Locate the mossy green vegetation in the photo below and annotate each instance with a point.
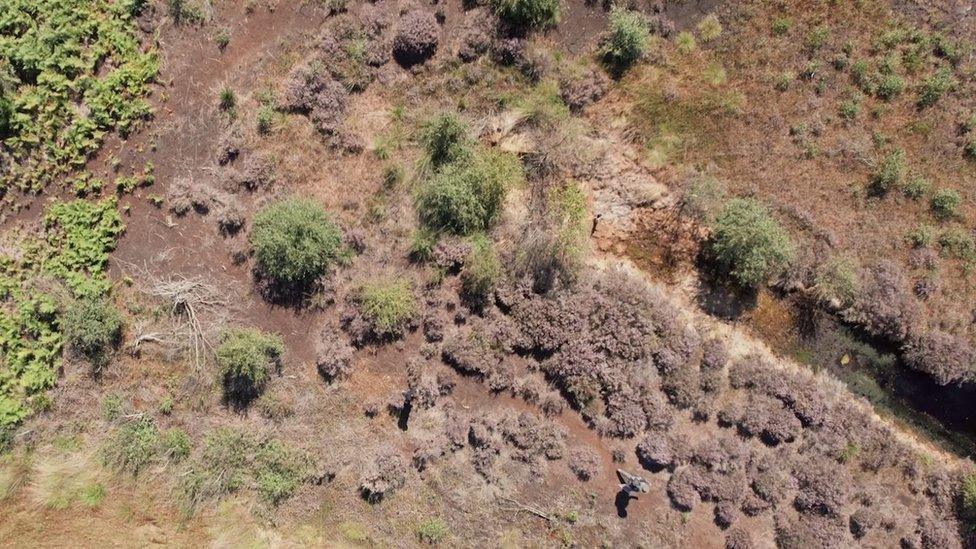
(72, 71)
(72, 251)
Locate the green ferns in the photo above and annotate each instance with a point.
(70, 72)
(72, 250)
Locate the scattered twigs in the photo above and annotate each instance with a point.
(518, 507)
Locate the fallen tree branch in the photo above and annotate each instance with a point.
(526, 508)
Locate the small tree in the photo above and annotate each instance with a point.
(294, 241)
(245, 359)
(749, 243)
(625, 40)
(91, 327)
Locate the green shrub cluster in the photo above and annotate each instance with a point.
(967, 498)
(445, 138)
(466, 197)
(945, 204)
(935, 86)
(482, 270)
(231, 460)
(246, 359)
(889, 172)
(295, 241)
(528, 13)
(133, 446)
(625, 40)
(388, 305)
(749, 243)
(75, 70)
(432, 530)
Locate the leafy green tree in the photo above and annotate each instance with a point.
(749, 243)
(294, 241)
(528, 13)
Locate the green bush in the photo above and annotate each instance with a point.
(466, 197)
(528, 13)
(780, 26)
(935, 86)
(749, 243)
(388, 305)
(969, 149)
(920, 237)
(294, 241)
(890, 86)
(945, 204)
(837, 281)
(422, 243)
(481, 271)
(245, 360)
(91, 327)
(916, 188)
(445, 139)
(227, 99)
(625, 40)
(432, 530)
(175, 444)
(889, 172)
(958, 244)
(133, 446)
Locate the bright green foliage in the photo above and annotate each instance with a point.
(889, 172)
(77, 71)
(466, 197)
(916, 188)
(432, 530)
(749, 243)
(294, 241)
(72, 249)
(528, 13)
(388, 305)
(945, 203)
(625, 40)
(481, 271)
(245, 359)
(445, 139)
(91, 326)
(133, 446)
(231, 460)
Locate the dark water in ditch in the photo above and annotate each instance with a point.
(802, 331)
